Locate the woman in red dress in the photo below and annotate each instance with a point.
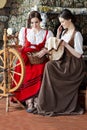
(32, 39)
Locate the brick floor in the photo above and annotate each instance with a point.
(18, 119)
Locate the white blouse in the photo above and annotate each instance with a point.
(32, 37)
(78, 41)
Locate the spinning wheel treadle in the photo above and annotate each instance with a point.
(9, 59)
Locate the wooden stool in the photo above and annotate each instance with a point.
(83, 98)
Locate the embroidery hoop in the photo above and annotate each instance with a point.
(55, 48)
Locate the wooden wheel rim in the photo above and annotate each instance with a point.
(14, 53)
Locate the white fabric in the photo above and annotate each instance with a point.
(78, 41)
(33, 38)
(52, 43)
(55, 48)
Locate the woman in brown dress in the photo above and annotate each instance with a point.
(59, 90)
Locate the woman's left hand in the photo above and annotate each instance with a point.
(64, 44)
(42, 52)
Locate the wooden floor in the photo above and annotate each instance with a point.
(18, 119)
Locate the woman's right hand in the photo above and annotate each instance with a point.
(59, 31)
(42, 52)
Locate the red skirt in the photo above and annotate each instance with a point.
(32, 79)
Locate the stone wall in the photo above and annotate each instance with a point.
(15, 13)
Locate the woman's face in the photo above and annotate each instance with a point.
(35, 23)
(65, 23)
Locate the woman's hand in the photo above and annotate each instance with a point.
(71, 49)
(64, 44)
(59, 31)
(42, 52)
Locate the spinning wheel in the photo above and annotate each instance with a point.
(9, 60)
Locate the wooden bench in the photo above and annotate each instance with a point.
(83, 89)
(83, 98)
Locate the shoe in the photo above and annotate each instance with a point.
(35, 111)
(31, 110)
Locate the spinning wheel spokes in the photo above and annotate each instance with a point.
(7, 74)
(10, 60)
(1, 58)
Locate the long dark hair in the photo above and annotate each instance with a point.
(33, 14)
(67, 14)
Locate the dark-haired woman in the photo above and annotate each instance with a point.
(61, 80)
(32, 39)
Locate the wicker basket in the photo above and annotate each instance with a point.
(36, 60)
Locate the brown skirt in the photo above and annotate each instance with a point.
(59, 91)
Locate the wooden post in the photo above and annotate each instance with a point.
(5, 58)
